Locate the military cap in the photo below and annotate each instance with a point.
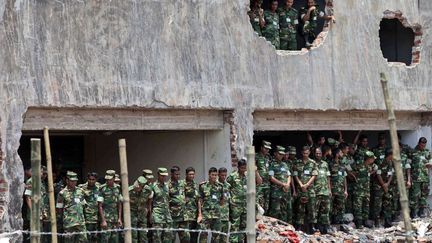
(72, 176)
(109, 174)
(369, 154)
(141, 180)
(280, 149)
(148, 174)
(117, 178)
(292, 150)
(266, 144)
(163, 171)
(332, 142)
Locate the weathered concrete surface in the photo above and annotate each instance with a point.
(189, 54)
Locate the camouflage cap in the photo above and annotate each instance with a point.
(148, 174)
(117, 178)
(369, 154)
(332, 142)
(280, 149)
(109, 174)
(163, 171)
(141, 180)
(72, 176)
(266, 144)
(292, 150)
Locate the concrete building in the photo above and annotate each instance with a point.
(188, 82)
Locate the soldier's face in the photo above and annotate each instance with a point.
(382, 141)
(162, 178)
(364, 142)
(71, 183)
(242, 169)
(318, 154)
(190, 176)
(279, 156)
(345, 150)
(311, 3)
(289, 3)
(110, 182)
(213, 176)
(370, 161)
(321, 140)
(91, 180)
(264, 150)
(305, 154)
(422, 145)
(286, 156)
(175, 175)
(292, 156)
(274, 5)
(222, 176)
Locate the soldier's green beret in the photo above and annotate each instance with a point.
(280, 149)
(141, 180)
(292, 150)
(163, 171)
(370, 154)
(266, 144)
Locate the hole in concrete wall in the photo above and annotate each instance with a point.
(294, 35)
(399, 41)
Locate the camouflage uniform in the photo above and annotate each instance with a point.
(110, 198)
(288, 21)
(322, 190)
(177, 208)
(225, 210)
(280, 203)
(310, 25)
(254, 20)
(349, 162)
(271, 28)
(237, 205)
(338, 176)
(361, 198)
(138, 207)
(211, 196)
(72, 202)
(263, 190)
(420, 176)
(91, 209)
(382, 201)
(191, 207)
(360, 154)
(161, 216)
(306, 201)
(406, 166)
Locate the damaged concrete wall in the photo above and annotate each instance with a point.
(189, 54)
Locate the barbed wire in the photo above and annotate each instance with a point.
(20, 232)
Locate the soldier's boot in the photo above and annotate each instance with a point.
(422, 213)
(325, 229)
(413, 214)
(313, 229)
(377, 223)
(358, 223)
(308, 44)
(367, 224)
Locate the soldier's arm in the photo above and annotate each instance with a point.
(298, 181)
(355, 141)
(258, 178)
(119, 212)
(261, 18)
(28, 201)
(60, 205)
(309, 138)
(101, 213)
(199, 219)
(380, 179)
(329, 185)
(310, 182)
(345, 188)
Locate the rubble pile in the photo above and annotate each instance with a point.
(273, 230)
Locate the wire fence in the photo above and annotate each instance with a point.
(99, 232)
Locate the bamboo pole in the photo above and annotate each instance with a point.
(36, 186)
(251, 191)
(53, 218)
(125, 190)
(396, 160)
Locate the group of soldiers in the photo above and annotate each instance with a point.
(218, 204)
(279, 25)
(333, 178)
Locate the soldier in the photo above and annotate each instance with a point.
(326, 153)
(117, 180)
(322, 188)
(110, 207)
(70, 205)
(44, 203)
(406, 169)
(191, 206)
(256, 16)
(209, 205)
(339, 189)
(305, 172)
(288, 21)
(262, 162)
(421, 162)
(362, 172)
(225, 216)
(271, 26)
(320, 141)
(348, 161)
(309, 15)
(160, 215)
(361, 149)
(382, 201)
(148, 174)
(91, 193)
(379, 150)
(177, 203)
(139, 194)
(290, 161)
(280, 184)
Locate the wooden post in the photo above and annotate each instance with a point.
(53, 219)
(251, 191)
(396, 160)
(125, 190)
(36, 185)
